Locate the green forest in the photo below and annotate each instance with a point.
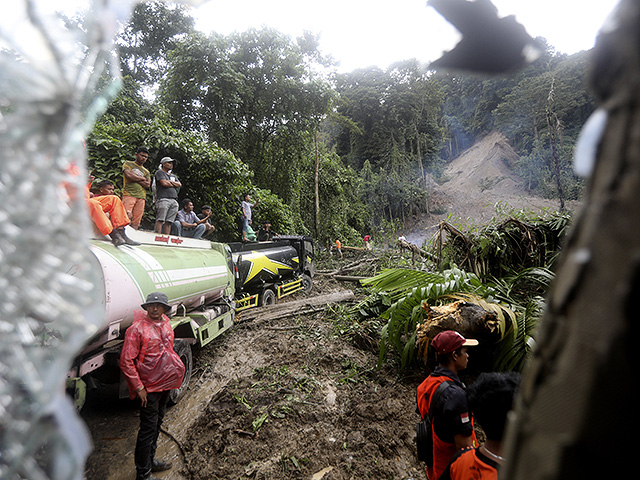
(332, 155)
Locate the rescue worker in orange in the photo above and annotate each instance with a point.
(490, 400)
(106, 201)
(451, 420)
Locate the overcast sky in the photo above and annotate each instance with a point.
(360, 33)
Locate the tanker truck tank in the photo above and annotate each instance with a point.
(190, 277)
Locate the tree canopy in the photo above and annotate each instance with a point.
(343, 154)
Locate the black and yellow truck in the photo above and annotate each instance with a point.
(268, 271)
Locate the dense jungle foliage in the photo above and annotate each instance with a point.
(329, 154)
(339, 155)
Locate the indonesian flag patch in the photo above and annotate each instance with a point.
(464, 418)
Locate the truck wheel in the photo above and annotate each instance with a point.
(307, 282)
(268, 297)
(183, 349)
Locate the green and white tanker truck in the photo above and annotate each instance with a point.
(206, 282)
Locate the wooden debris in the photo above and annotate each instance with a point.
(416, 251)
(469, 319)
(296, 307)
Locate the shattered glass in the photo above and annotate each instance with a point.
(49, 66)
(53, 54)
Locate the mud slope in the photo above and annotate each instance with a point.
(481, 178)
(275, 399)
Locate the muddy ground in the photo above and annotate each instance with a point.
(285, 399)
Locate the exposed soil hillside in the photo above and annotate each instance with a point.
(479, 182)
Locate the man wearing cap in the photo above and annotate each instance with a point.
(137, 181)
(452, 425)
(152, 369)
(167, 186)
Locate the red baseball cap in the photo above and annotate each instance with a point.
(450, 340)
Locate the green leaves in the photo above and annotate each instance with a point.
(255, 93)
(408, 289)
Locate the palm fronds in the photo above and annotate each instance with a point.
(407, 290)
(516, 344)
(399, 295)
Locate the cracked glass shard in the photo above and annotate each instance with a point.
(52, 57)
(50, 62)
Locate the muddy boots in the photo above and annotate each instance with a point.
(118, 237)
(127, 240)
(146, 476)
(160, 465)
(156, 466)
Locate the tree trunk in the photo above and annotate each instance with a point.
(576, 411)
(554, 128)
(317, 187)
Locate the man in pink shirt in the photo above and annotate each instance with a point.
(151, 369)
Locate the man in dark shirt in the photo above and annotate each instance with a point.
(166, 185)
(490, 399)
(452, 423)
(265, 233)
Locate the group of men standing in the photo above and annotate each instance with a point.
(111, 215)
(170, 219)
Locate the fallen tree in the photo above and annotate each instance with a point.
(469, 319)
(296, 307)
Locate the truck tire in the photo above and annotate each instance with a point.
(183, 349)
(268, 297)
(307, 282)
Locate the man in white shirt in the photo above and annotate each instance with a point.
(246, 214)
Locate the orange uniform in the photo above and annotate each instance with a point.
(471, 464)
(451, 417)
(111, 204)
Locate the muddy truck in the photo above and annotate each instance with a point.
(267, 271)
(206, 282)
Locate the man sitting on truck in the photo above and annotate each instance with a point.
(265, 233)
(206, 212)
(152, 369)
(104, 202)
(187, 223)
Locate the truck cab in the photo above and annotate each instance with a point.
(268, 271)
